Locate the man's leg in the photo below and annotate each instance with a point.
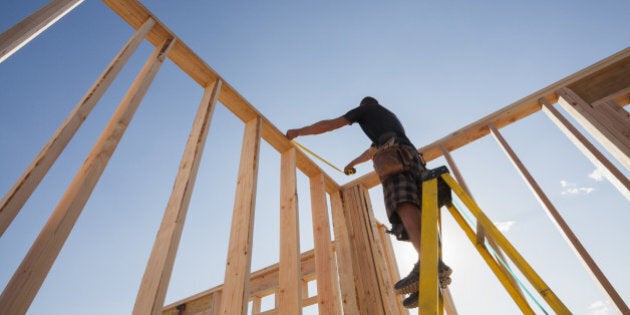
(410, 216)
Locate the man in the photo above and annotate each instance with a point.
(401, 189)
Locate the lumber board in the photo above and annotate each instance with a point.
(391, 266)
(23, 32)
(27, 280)
(618, 117)
(523, 107)
(604, 71)
(158, 272)
(622, 98)
(328, 299)
(566, 231)
(603, 82)
(609, 170)
(262, 283)
(289, 297)
(366, 278)
(17, 196)
(134, 13)
(256, 305)
(597, 125)
(513, 112)
(379, 257)
(239, 256)
(623, 117)
(343, 255)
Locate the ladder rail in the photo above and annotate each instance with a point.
(536, 281)
(428, 300)
(509, 285)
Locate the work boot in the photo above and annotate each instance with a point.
(409, 284)
(411, 301)
(445, 275)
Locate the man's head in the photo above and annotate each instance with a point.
(368, 100)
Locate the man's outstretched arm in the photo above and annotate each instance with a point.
(318, 127)
(364, 157)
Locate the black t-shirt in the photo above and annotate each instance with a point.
(375, 121)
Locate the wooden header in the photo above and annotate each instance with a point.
(135, 14)
(262, 283)
(608, 77)
(604, 78)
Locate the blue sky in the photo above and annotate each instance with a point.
(438, 65)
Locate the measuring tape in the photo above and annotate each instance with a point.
(349, 172)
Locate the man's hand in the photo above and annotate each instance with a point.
(292, 133)
(364, 157)
(349, 169)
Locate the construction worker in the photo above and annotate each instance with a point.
(399, 167)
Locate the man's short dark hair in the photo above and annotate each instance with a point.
(368, 100)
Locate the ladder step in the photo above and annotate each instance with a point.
(434, 173)
(444, 191)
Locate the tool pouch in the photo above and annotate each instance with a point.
(391, 158)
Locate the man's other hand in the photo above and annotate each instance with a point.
(292, 134)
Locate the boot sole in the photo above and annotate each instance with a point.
(410, 288)
(445, 280)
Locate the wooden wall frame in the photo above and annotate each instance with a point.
(354, 271)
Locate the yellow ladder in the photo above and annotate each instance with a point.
(430, 299)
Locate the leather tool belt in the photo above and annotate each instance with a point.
(391, 158)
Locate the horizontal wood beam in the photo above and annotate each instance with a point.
(134, 13)
(608, 75)
(605, 71)
(609, 132)
(622, 98)
(603, 82)
(262, 283)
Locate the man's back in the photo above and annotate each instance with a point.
(375, 121)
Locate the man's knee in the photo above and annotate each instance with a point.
(408, 213)
(407, 207)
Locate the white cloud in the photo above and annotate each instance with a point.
(504, 226)
(596, 175)
(569, 188)
(600, 308)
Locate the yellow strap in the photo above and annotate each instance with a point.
(315, 155)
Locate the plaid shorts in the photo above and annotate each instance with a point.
(403, 187)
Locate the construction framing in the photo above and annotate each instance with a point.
(355, 270)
